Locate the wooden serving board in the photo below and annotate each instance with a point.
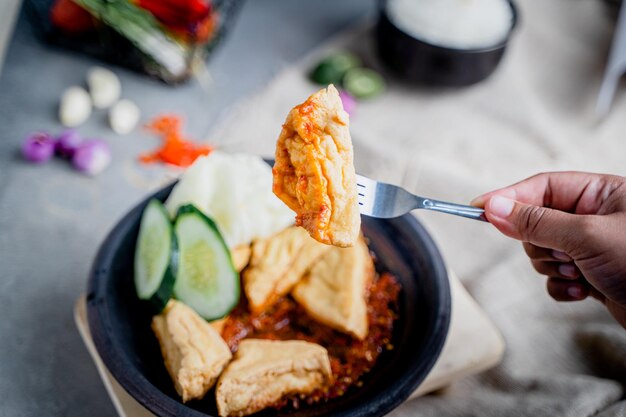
(469, 326)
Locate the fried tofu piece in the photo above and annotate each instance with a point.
(194, 352)
(314, 170)
(240, 256)
(334, 291)
(264, 371)
(218, 324)
(277, 264)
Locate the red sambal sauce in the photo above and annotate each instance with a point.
(350, 358)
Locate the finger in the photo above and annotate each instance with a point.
(541, 226)
(568, 191)
(563, 290)
(544, 254)
(557, 269)
(596, 294)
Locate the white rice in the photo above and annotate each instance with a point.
(461, 24)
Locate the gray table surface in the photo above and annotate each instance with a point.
(52, 219)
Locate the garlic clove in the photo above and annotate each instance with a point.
(124, 116)
(104, 86)
(75, 106)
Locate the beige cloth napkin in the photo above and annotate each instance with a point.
(534, 114)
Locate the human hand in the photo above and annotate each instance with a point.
(573, 228)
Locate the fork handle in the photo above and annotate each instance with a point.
(469, 212)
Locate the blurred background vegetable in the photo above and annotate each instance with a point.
(38, 147)
(167, 39)
(74, 107)
(67, 143)
(92, 157)
(176, 149)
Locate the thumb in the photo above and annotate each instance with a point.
(540, 226)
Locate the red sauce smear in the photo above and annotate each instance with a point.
(176, 149)
(350, 358)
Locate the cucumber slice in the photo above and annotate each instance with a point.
(156, 256)
(207, 280)
(363, 83)
(332, 69)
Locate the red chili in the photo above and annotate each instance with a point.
(176, 150)
(70, 17)
(177, 14)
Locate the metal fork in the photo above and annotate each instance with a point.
(377, 199)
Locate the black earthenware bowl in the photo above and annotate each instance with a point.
(120, 324)
(421, 62)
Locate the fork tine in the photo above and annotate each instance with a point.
(377, 199)
(361, 193)
(366, 189)
(361, 185)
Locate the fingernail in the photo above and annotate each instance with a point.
(478, 201)
(561, 256)
(568, 270)
(501, 206)
(575, 291)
